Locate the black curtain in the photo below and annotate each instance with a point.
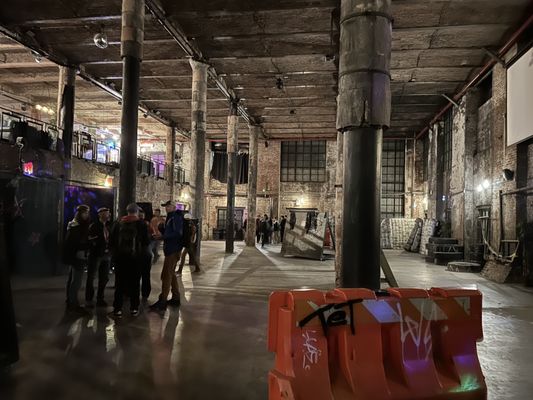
(8, 334)
(219, 170)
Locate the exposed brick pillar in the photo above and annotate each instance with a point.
(170, 156)
(339, 178)
(65, 108)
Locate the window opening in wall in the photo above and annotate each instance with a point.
(485, 89)
(393, 179)
(303, 161)
(221, 218)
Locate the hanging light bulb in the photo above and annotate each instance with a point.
(39, 107)
(100, 39)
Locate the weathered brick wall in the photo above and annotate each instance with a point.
(273, 196)
(149, 188)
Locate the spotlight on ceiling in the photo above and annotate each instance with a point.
(279, 83)
(292, 112)
(266, 143)
(100, 40)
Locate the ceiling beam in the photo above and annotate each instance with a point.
(192, 51)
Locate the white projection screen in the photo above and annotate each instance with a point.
(520, 99)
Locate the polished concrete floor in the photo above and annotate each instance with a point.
(214, 346)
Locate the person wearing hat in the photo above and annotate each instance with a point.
(75, 249)
(172, 233)
(99, 257)
(129, 242)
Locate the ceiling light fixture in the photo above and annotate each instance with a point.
(279, 83)
(100, 39)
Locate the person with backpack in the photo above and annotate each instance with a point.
(172, 244)
(76, 246)
(189, 244)
(129, 243)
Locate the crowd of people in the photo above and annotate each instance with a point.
(130, 246)
(270, 230)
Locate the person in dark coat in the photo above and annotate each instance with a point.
(76, 246)
(265, 231)
(129, 242)
(99, 257)
(282, 227)
(258, 228)
(146, 260)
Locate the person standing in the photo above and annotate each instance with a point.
(146, 259)
(189, 244)
(155, 223)
(76, 246)
(282, 227)
(258, 228)
(172, 244)
(265, 231)
(129, 241)
(99, 258)
(275, 228)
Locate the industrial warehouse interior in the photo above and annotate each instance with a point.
(266, 199)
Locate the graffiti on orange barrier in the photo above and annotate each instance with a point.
(311, 352)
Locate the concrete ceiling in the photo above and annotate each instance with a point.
(437, 46)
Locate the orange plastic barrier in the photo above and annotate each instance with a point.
(351, 344)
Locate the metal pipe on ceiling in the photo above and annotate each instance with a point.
(192, 51)
(20, 39)
(481, 74)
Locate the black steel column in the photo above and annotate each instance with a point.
(232, 148)
(131, 51)
(363, 111)
(65, 109)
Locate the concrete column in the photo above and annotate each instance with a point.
(339, 178)
(409, 179)
(232, 148)
(131, 51)
(65, 108)
(170, 156)
(252, 185)
(363, 110)
(464, 133)
(198, 126)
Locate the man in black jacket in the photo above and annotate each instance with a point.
(75, 246)
(99, 258)
(129, 242)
